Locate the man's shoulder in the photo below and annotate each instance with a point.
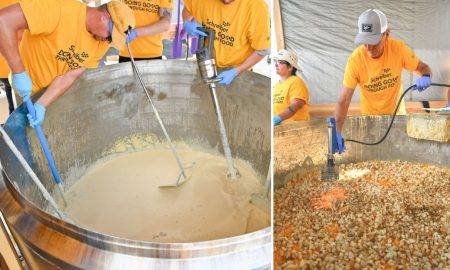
(258, 2)
(394, 41)
(358, 53)
(256, 5)
(396, 44)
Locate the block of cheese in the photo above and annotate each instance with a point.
(434, 127)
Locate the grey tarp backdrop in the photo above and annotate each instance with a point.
(321, 32)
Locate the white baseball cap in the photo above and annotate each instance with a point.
(372, 23)
(289, 57)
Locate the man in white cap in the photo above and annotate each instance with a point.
(377, 67)
(290, 94)
(61, 39)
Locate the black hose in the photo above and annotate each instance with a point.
(393, 115)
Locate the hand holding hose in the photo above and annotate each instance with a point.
(340, 143)
(423, 83)
(132, 36)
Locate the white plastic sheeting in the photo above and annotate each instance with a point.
(322, 32)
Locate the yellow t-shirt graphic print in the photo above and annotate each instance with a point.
(146, 12)
(241, 27)
(285, 92)
(380, 80)
(57, 40)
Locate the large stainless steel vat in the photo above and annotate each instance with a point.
(301, 147)
(104, 106)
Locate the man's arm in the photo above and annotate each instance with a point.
(295, 105)
(342, 107)
(59, 86)
(423, 68)
(12, 22)
(227, 76)
(251, 60)
(424, 81)
(157, 27)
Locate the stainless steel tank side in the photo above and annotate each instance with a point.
(104, 106)
(300, 147)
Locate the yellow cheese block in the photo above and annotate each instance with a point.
(434, 127)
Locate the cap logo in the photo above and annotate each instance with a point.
(366, 27)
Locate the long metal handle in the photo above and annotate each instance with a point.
(27, 167)
(172, 147)
(330, 140)
(46, 149)
(223, 133)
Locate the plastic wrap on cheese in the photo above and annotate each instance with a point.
(434, 127)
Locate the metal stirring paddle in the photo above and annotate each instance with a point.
(172, 147)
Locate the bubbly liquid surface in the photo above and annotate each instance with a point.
(122, 197)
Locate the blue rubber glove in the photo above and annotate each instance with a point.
(131, 36)
(277, 120)
(340, 143)
(227, 76)
(423, 83)
(191, 28)
(22, 84)
(40, 115)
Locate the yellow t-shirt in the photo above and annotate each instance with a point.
(57, 40)
(285, 92)
(4, 68)
(146, 12)
(380, 80)
(242, 27)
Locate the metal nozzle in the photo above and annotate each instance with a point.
(208, 72)
(330, 172)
